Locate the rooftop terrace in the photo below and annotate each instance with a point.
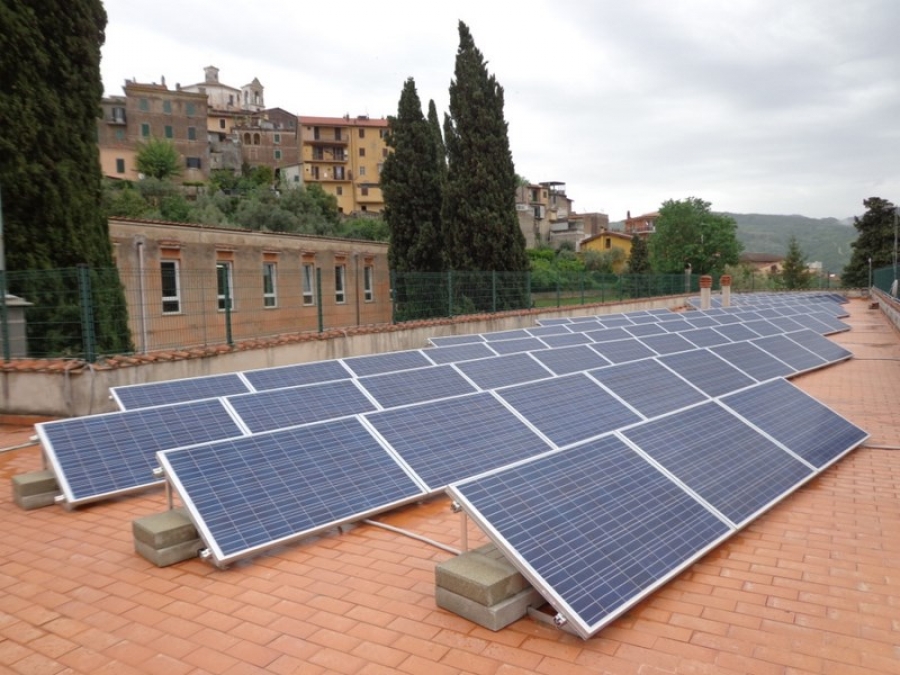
(812, 586)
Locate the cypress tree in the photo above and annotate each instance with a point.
(794, 272)
(50, 168)
(480, 198)
(639, 258)
(875, 240)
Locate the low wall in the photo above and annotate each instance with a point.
(61, 388)
(890, 307)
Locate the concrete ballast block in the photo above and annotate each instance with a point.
(482, 575)
(494, 617)
(166, 538)
(35, 489)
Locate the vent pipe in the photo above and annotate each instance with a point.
(705, 291)
(725, 283)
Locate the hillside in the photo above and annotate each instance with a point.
(824, 239)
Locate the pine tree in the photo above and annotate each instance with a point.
(639, 258)
(875, 240)
(480, 198)
(49, 165)
(794, 271)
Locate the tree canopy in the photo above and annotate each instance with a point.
(794, 271)
(875, 240)
(639, 258)
(158, 158)
(480, 198)
(689, 233)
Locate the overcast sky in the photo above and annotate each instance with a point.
(757, 106)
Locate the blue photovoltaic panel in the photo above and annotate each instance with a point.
(609, 334)
(748, 315)
(454, 353)
(796, 420)
(707, 372)
(786, 323)
(252, 493)
(386, 363)
(296, 375)
(668, 317)
(704, 337)
(595, 528)
(763, 327)
(450, 340)
(552, 407)
(623, 351)
(415, 386)
(135, 396)
(725, 461)
(639, 318)
(566, 340)
(701, 321)
(280, 408)
(725, 318)
(835, 325)
(615, 321)
(736, 332)
(541, 331)
(506, 335)
(812, 323)
(520, 345)
(98, 456)
(752, 360)
(453, 439)
(501, 371)
(584, 326)
(820, 345)
(560, 321)
(638, 330)
(565, 360)
(648, 386)
(785, 349)
(582, 319)
(667, 344)
(678, 326)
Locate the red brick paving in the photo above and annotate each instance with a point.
(812, 586)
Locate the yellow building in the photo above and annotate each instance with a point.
(607, 241)
(345, 155)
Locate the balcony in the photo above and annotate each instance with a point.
(322, 139)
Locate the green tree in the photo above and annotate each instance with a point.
(411, 183)
(158, 158)
(875, 240)
(794, 271)
(688, 233)
(480, 200)
(50, 168)
(639, 258)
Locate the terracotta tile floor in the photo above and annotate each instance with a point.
(813, 586)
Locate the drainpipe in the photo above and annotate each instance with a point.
(139, 244)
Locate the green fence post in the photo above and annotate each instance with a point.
(87, 313)
(528, 289)
(557, 288)
(581, 281)
(494, 291)
(393, 291)
(319, 313)
(449, 293)
(4, 319)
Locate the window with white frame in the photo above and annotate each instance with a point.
(225, 284)
(340, 279)
(309, 284)
(171, 286)
(369, 283)
(270, 288)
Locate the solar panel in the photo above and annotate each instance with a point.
(763, 327)
(414, 386)
(783, 348)
(608, 334)
(452, 340)
(835, 325)
(707, 372)
(541, 331)
(501, 371)
(623, 351)
(570, 359)
(638, 318)
(554, 407)
(796, 420)
(648, 386)
(704, 337)
(667, 344)
(520, 345)
(99, 456)
(701, 321)
(736, 332)
(820, 345)
(464, 352)
(585, 326)
(594, 528)
(280, 408)
(639, 330)
(250, 494)
(558, 321)
(726, 462)
(753, 360)
(385, 363)
(506, 335)
(133, 396)
(812, 322)
(452, 439)
(296, 375)
(786, 323)
(565, 340)
(615, 321)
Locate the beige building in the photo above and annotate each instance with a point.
(345, 155)
(196, 285)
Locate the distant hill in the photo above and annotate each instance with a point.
(824, 239)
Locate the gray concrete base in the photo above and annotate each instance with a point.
(495, 617)
(482, 586)
(35, 489)
(166, 538)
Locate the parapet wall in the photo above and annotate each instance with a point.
(71, 388)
